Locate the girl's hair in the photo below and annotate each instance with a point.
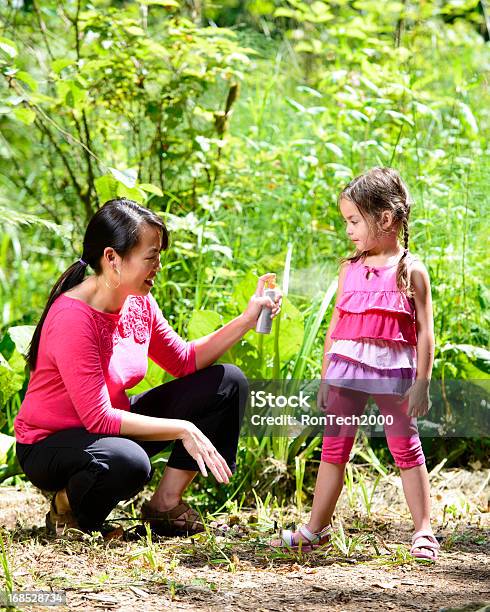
(117, 224)
(378, 190)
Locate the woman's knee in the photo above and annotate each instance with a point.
(129, 464)
(235, 377)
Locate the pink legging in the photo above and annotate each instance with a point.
(402, 436)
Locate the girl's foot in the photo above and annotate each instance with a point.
(303, 539)
(424, 545)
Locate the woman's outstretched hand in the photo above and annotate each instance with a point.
(202, 450)
(252, 312)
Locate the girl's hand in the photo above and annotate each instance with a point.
(251, 313)
(322, 396)
(202, 450)
(418, 398)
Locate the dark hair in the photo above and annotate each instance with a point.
(378, 190)
(116, 224)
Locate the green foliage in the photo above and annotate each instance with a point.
(137, 100)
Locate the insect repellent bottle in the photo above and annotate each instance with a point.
(264, 322)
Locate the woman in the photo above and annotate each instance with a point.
(78, 433)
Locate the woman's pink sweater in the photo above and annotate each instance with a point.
(88, 358)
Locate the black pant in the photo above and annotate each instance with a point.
(100, 470)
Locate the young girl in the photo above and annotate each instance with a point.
(380, 342)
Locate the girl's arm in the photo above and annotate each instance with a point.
(333, 320)
(419, 278)
(419, 400)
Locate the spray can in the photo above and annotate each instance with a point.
(264, 322)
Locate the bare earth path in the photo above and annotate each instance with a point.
(368, 569)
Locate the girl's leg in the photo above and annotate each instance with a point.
(329, 484)
(214, 400)
(417, 493)
(337, 445)
(406, 448)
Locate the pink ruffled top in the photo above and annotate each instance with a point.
(374, 307)
(374, 341)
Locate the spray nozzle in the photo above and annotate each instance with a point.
(271, 283)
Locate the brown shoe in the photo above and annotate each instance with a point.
(57, 523)
(182, 520)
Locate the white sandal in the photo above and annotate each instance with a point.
(424, 539)
(311, 540)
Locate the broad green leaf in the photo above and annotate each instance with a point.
(136, 194)
(11, 380)
(202, 323)
(21, 336)
(151, 189)
(106, 187)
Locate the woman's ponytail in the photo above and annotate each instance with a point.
(74, 275)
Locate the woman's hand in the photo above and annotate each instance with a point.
(418, 398)
(252, 312)
(202, 450)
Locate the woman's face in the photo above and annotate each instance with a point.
(138, 269)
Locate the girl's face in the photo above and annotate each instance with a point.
(138, 269)
(356, 226)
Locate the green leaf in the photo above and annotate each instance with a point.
(8, 47)
(164, 3)
(11, 380)
(106, 187)
(9, 464)
(135, 30)
(469, 117)
(480, 357)
(334, 148)
(136, 194)
(202, 323)
(151, 189)
(21, 336)
(58, 65)
(219, 248)
(285, 12)
(26, 115)
(26, 78)
(126, 177)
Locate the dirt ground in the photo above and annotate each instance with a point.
(369, 569)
